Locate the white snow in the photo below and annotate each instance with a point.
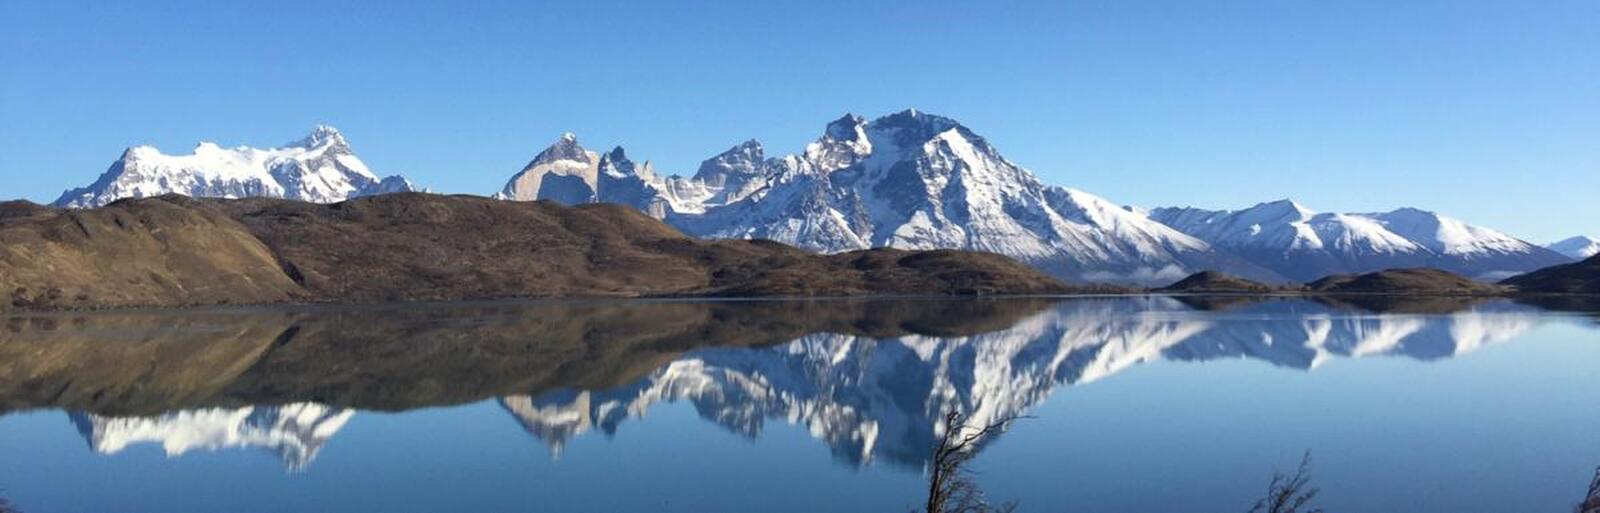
(916, 181)
(319, 168)
(1307, 244)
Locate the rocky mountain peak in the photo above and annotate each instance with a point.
(738, 163)
(914, 119)
(616, 163)
(565, 147)
(847, 128)
(321, 136)
(1284, 209)
(843, 143)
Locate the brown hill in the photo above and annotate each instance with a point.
(173, 251)
(1403, 281)
(1215, 282)
(152, 252)
(1574, 278)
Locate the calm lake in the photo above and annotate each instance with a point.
(1134, 404)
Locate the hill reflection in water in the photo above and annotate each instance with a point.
(870, 378)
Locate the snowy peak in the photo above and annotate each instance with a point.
(737, 165)
(1305, 245)
(616, 162)
(911, 128)
(843, 142)
(319, 168)
(1577, 248)
(845, 129)
(910, 180)
(564, 172)
(1445, 235)
(1283, 210)
(565, 147)
(322, 136)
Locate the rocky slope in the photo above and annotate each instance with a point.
(1304, 245)
(908, 180)
(174, 250)
(319, 168)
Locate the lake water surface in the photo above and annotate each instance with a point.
(1134, 404)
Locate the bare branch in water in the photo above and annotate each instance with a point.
(1289, 494)
(950, 485)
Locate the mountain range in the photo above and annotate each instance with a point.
(319, 168)
(917, 180)
(908, 180)
(1306, 245)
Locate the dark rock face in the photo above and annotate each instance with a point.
(175, 251)
(1575, 278)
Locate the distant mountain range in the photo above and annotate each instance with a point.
(319, 168)
(1305, 245)
(1577, 248)
(909, 180)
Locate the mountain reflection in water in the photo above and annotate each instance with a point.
(871, 379)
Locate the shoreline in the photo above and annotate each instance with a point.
(314, 306)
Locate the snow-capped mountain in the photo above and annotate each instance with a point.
(1577, 248)
(1305, 245)
(293, 432)
(885, 399)
(320, 168)
(909, 180)
(568, 174)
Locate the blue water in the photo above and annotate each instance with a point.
(1133, 405)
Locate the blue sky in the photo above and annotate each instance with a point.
(1488, 111)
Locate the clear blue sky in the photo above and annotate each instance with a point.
(1489, 111)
